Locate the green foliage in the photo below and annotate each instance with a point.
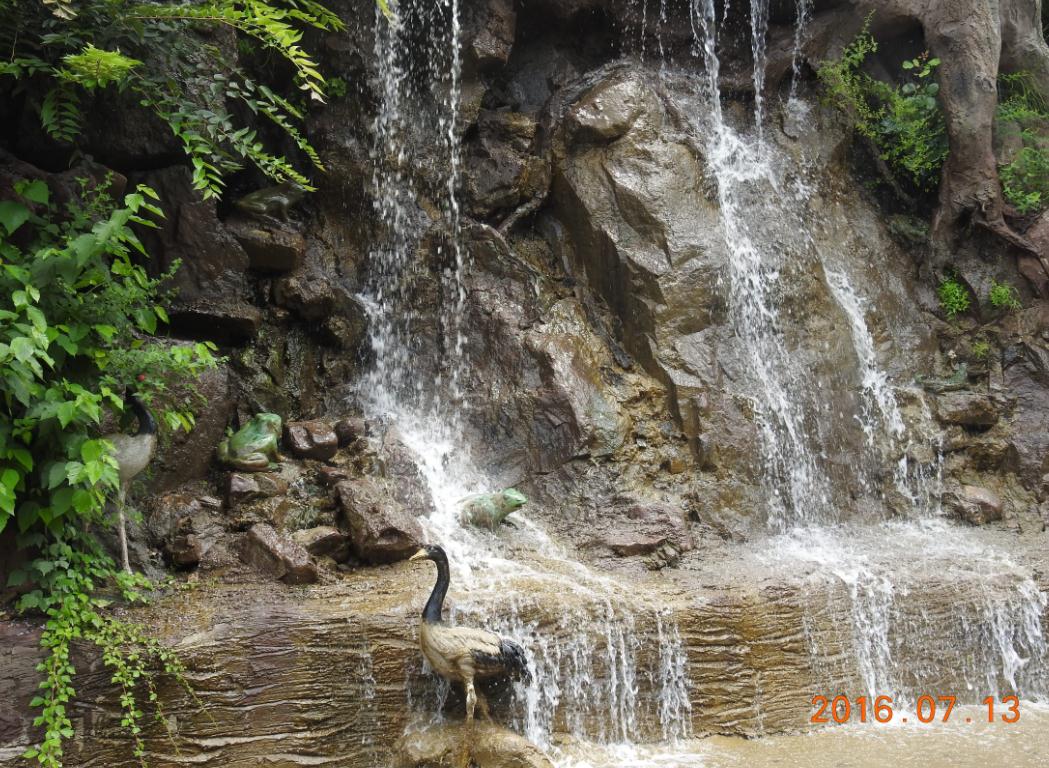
(93, 68)
(77, 324)
(77, 317)
(68, 573)
(1003, 296)
(954, 297)
(159, 52)
(980, 349)
(1025, 179)
(905, 124)
(337, 87)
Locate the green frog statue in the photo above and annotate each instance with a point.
(489, 510)
(271, 201)
(254, 447)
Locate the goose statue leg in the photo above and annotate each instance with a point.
(122, 528)
(471, 701)
(482, 703)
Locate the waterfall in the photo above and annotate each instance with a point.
(596, 657)
(759, 24)
(992, 633)
(587, 668)
(802, 10)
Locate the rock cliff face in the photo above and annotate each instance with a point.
(607, 378)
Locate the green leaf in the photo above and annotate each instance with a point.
(35, 191)
(12, 215)
(10, 478)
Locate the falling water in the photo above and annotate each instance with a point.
(993, 633)
(759, 24)
(803, 9)
(587, 667)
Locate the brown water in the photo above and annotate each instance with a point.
(957, 744)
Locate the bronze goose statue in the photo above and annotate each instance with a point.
(133, 454)
(464, 654)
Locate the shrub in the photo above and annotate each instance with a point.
(904, 123)
(954, 297)
(980, 349)
(77, 322)
(1003, 296)
(906, 126)
(64, 50)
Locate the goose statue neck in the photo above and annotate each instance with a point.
(434, 608)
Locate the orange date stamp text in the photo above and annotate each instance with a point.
(927, 709)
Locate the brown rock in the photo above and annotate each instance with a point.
(974, 504)
(350, 430)
(380, 528)
(609, 109)
(214, 266)
(243, 488)
(269, 249)
(277, 555)
(641, 528)
(966, 408)
(311, 440)
(324, 541)
(491, 746)
(332, 476)
(222, 321)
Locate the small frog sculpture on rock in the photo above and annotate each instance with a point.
(254, 447)
(271, 201)
(489, 510)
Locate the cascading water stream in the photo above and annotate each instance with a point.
(590, 664)
(1001, 636)
(586, 668)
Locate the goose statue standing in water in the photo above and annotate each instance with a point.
(133, 454)
(464, 654)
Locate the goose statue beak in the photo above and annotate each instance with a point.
(422, 554)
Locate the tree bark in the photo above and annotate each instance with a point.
(972, 38)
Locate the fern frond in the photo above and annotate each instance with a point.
(60, 113)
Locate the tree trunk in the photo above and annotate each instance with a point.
(972, 39)
(1023, 46)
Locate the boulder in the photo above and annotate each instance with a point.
(277, 555)
(490, 28)
(974, 504)
(243, 487)
(635, 528)
(501, 171)
(329, 476)
(609, 109)
(324, 541)
(380, 528)
(311, 440)
(212, 287)
(187, 456)
(187, 528)
(969, 409)
(491, 746)
(268, 248)
(220, 320)
(1026, 379)
(350, 430)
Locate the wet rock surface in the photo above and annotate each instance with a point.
(278, 555)
(311, 440)
(491, 746)
(324, 541)
(605, 379)
(381, 529)
(974, 504)
(966, 408)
